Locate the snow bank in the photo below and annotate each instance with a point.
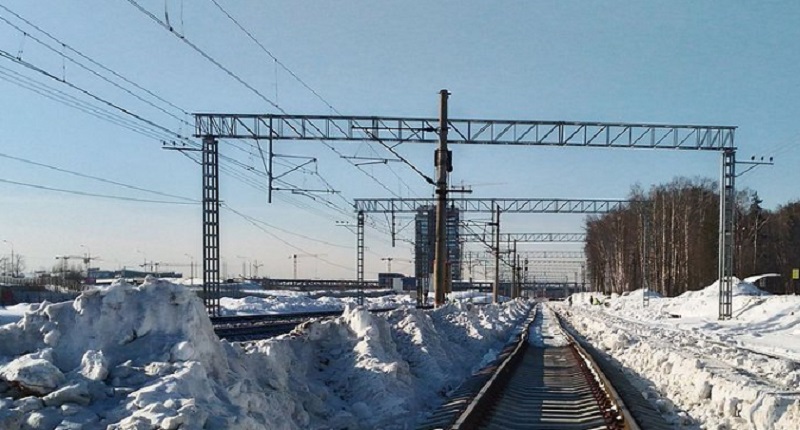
(481, 297)
(301, 302)
(14, 313)
(368, 371)
(741, 373)
(130, 357)
(123, 356)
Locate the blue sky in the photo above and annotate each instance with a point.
(677, 62)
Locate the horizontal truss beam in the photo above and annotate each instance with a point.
(507, 205)
(546, 257)
(526, 237)
(463, 131)
(338, 284)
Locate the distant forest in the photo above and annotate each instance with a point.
(674, 229)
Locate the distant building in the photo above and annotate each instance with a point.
(425, 236)
(386, 280)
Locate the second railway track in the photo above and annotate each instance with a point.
(243, 328)
(547, 380)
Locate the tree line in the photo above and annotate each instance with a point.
(667, 239)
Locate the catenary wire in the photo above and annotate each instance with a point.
(87, 194)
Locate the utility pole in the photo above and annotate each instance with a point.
(514, 272)
(13, 263)
(496, 228)
(525, 275)
(443, 165)
(191, 267)
(388, 261)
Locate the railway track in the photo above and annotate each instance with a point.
(547, 380)
(243, 328)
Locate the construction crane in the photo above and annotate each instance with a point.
(87, 259)
(256, 266)
(294, 257)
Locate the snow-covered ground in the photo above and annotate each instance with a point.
(737, 374)
(128, 357)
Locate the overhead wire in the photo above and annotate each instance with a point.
(202, 53)
(149, 128)
(96, 178)
(71, 101)
(303, 83)
(92, 61)
(219, 65)
(256, 224)
(31, 66)
(88, 108)
(87, 194)
(93, 72)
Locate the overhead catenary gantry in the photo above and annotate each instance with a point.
(464, 131)
(556, 257)
(529, 237)
(492, 132)
(495, 206)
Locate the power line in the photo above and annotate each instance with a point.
(89, 59)
(155, 130)
(244, 83)
(188, 43)
(302, 236)
(71, 101)
(95, 73)
(271, 55)
(87, 194)
(289, 244)
(88, 93)
(316, 94)
(108, 181)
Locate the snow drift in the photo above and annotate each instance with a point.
(146, 357)
(705, 373)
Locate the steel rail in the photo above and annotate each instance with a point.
(241, 328)
(557, 387)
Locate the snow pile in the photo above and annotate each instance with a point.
(738, 287)
(369, 371)
(146, 357)
(13, 313)
(301, 302)
(473, 296)
(124, 356)
(705, 373)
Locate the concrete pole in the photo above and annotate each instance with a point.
(443, 164)
(514, 272)
(496, 289)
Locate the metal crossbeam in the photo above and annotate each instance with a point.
(312, 284)
(463, 131)
(546, 257)
(527, 237)
(507, 205)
